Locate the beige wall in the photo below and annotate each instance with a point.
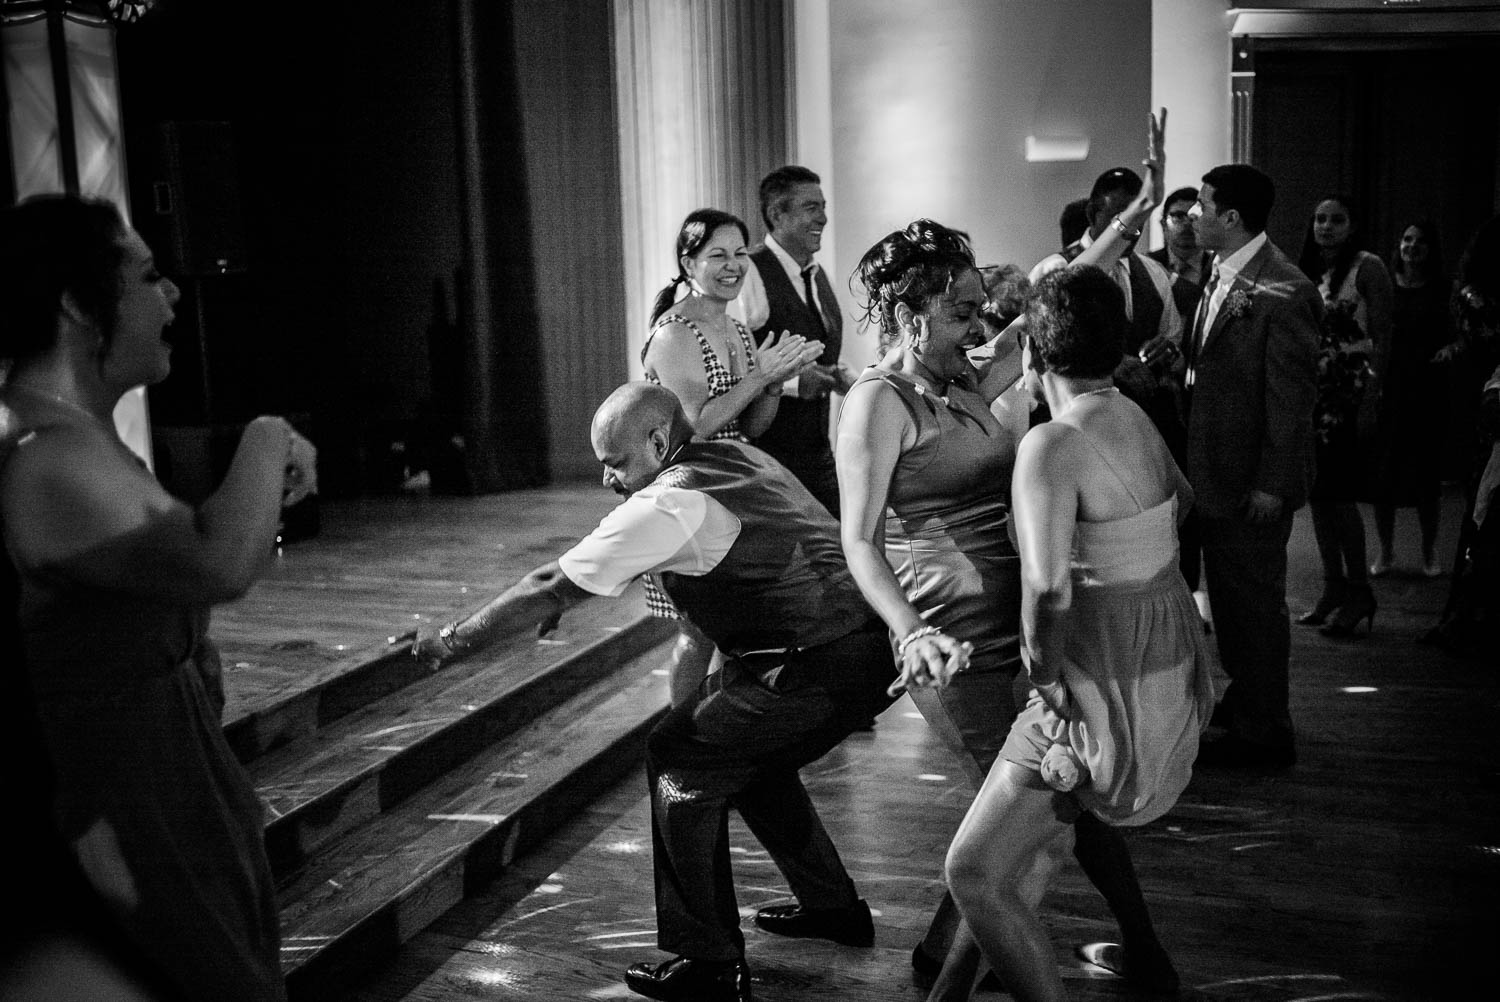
(1190, 78)
(931, 105)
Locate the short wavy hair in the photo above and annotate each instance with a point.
(1076, 322)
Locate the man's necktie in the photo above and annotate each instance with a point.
(812, 300)
(1200, 319)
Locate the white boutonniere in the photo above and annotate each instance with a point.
(1236, 304)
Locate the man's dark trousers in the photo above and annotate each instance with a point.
(739, 743)
(1245, 567)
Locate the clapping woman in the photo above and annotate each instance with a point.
(116, 580)
(729, 388)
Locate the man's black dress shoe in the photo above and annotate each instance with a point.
(927, 967)
(683, 979)
(1232, 752)
(1148, 970)
(850, 926)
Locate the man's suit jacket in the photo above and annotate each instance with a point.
(1251, 405)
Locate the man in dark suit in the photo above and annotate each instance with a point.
(786, 290)
(1180, 254)
(1250, 387)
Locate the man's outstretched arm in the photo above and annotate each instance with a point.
(537, 600)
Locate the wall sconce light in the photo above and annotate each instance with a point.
(1044, 149)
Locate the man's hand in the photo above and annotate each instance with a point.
(429, 649)
(1134, 379)
(1261, 508)
(816, 382)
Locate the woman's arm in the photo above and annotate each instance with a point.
(1117, 237)
(1044, 493)
(677, 362)
(874, 429)
(106, 523)
(1373, 283)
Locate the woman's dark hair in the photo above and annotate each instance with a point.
(910, 266)
(1311, 262)
(1432, 273)
(1076, 322)
(697, 229)
(51, 245)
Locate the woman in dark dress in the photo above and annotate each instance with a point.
(1355, 340)
(115, 580)
(1413, 404)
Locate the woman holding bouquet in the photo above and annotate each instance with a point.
(1355, 346)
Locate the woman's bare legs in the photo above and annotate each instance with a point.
(997, 869)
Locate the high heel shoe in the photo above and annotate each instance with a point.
(1335, 592)
(1359, 606)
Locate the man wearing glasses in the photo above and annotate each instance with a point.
(1181, 255)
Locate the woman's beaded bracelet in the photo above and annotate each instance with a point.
(917, 634)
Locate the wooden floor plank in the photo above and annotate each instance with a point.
(386, 881)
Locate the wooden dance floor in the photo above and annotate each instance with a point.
(1368, 871)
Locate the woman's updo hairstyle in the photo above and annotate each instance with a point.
(697, 229)
(51, 245)
(1076, 322)
(911, 266)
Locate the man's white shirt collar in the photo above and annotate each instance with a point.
(1231, 266)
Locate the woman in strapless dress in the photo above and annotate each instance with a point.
(1115, 651)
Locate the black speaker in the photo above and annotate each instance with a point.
(195, 200)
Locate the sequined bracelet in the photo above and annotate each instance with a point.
(917, 634)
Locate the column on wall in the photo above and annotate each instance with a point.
(702, 97)
(62, 96)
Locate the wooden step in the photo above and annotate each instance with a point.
(371, 758)
(349, 907)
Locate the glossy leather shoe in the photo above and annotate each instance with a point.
(850, 926)
(1150, 970)
(1232, 752)
(683, 979)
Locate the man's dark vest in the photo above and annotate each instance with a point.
(1146, 306)
(784, 582)
(1145, 302)
(800, 430)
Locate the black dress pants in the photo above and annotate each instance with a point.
(739, 742)
(1246, 569)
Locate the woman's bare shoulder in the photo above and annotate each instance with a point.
(89, 488)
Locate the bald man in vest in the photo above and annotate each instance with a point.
(750, 558)
(786, 290)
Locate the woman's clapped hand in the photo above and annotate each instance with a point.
(784, 355)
